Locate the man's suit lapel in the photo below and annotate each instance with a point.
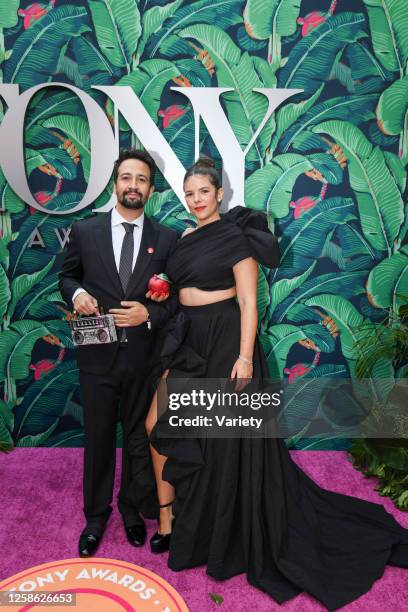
(146, 252)
(103, 238)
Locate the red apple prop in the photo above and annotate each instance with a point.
(159, 284)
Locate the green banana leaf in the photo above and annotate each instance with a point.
(387, 282)
(262, 18)
(6, 415)
(21, 285)
(173, 214)
(43, 309)
(156, 201)
(91, 62)
(36, 51)
(275, 19)
(26, 260)
(248, 44)
(379, 201)
(62, 162)
(148, 82)
(346, 284)
(283, 288)
(77, 130)
(33, 159)
(392, 113)
(353, 243)
(270, 188)
(397, 170)
(5, 293)
(393, 453)
(242, 72)
(289, 114)
(304, 399)
(311, 60)
(6, 439)
(389, 32)
(355, 332)
(74, 438)
(153, 21)
(52, 102)
(45, 399)
(118, 29)
(364, 65)
(277, 342)
(8, 13)
(16, 345)
(31, 441)
(9, 200)
(304, 239)
(392, 107)
(223, 12)
(328, 166)
(356, 109)
(333, 251)
(180, 135)
(61, 329)
(262, 294)
(69, 68)
(194, 71)
(39, 292)
(320, 336)
(346, 317)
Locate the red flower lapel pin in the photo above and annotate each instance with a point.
(150, 250)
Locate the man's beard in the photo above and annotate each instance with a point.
(135, 204)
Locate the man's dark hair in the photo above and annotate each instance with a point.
(134, 154)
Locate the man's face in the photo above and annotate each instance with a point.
(133, 187)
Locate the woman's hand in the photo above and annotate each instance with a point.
(243, 373)
(157, 297)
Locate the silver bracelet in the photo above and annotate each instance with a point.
(245, 360)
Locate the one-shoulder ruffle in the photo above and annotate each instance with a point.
(262, 242)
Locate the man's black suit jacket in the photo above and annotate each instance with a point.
(90, 263)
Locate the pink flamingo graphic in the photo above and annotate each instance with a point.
(34, 12)
(315, 18)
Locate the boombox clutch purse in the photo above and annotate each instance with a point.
(93, 330)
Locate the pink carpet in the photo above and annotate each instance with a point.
(41, 520)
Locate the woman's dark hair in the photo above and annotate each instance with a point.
(206, 167)
(135, 154)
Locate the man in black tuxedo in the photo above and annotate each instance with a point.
(108, 264)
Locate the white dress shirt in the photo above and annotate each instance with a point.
(118, 233)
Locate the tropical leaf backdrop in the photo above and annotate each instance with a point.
(328, 169)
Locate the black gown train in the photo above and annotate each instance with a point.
(243, 505)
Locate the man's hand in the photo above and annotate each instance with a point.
(133, 313)
(157, 297)
(85, 304)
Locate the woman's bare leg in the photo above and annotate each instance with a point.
(165, 491)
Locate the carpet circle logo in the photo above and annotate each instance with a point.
(89, 585)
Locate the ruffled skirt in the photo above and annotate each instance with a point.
(242, 505)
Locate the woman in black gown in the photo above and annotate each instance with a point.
(242, 505)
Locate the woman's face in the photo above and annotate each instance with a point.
(202, 198)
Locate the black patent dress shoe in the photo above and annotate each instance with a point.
(88, 544)
(136, 535)
(160, 542)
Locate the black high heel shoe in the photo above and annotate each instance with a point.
(160, 542)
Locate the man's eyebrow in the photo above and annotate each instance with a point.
(127, 173)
